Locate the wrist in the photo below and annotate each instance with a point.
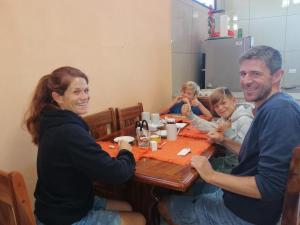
(221, 139)
(211, 178)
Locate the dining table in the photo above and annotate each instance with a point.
(158, 173)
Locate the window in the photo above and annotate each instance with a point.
(207, 3)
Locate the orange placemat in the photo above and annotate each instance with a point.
(169, 151)
(192, 132)
(181, 118)
(113, 152)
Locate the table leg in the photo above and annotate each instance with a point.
(142, 198)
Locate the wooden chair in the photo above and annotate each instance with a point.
(15, 208)
(126, 117)
(290, 211)
(205, 101)
(102, 124)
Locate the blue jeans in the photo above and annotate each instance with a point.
(205, 209)
(97, 215)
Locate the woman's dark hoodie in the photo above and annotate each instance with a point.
(68, 160)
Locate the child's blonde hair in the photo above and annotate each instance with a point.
(191, 85)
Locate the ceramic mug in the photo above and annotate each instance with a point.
(155, 118)
(171, 132)
(146, 116)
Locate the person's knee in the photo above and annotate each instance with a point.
(117, 205)
(140, 219)
(132, 218)
(125, 206)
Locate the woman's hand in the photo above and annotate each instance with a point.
(186, 109)
(124, 145)
(203, 167)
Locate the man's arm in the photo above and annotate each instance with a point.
(240, 185)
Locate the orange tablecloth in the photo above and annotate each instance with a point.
(192, 132)
(168, 152)
(113, 152)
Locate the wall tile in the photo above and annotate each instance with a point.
(294, 8)
(268, 31)
(181, 26)
(266, 8)
(293, 33)
(199, 29)
(185, 67)
(237, 8)
(291, 62)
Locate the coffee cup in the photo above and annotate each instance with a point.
(155, 118)
(171, 132)
(146, 116)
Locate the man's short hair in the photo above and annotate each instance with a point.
(270, 56)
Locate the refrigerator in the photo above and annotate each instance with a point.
(221, 61)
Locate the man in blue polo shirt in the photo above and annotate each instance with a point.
(253, 192)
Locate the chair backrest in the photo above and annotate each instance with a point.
(290, 211)
(127, 117)
(102, 123)
(205, 101)
(15, 208)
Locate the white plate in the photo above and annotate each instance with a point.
(156, 125)
(124, 138)
(180, 125)
(162, 133)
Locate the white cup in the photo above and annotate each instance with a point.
(171, 132)
(152, 127)
(153, 145)
(155, 118)
(146, 116)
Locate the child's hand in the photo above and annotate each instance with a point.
(215, 137)
(178, 99)
(185, 100)
(224, 125)
(186, 109)
(195, 102)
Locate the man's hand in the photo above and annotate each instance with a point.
(203, 167)
(216, 136)
(186, 109)
(124, 145)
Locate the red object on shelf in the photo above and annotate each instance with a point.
(231, 33)
(215, 34)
